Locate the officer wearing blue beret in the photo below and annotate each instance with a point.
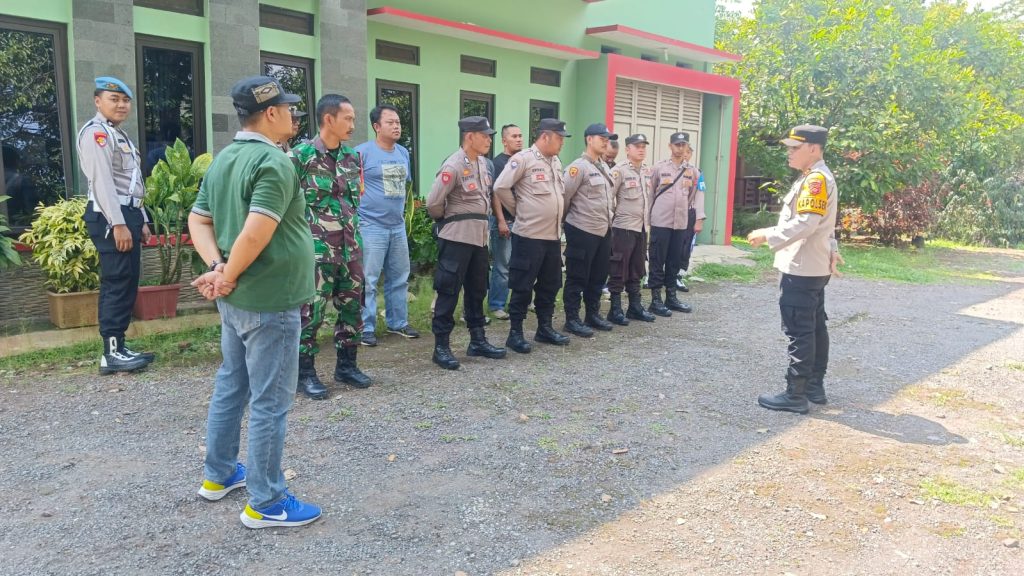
(115, 218)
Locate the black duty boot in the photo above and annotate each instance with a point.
(794, 399)
(657, 307)
(515, 339)
(443, 353)
(114, 360)
(149, 357)
(479, 346)
(673, 303)
(816, 390)
(636, 309)
(309, 382)
(574, 326)
(615, 313)
(595, 320)
(545, 333)
(346, 370)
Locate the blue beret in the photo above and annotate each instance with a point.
(112, 84)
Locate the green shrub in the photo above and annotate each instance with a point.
(9, 257)
(989, 212)
(61, 246)
(422, 245)
(746, 221)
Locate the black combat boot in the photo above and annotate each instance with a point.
(149, 357)
(657, 307)
(114, 360)
(545, 333)
(594, 319)
(815, 390)
(615, 313)
(345, 370)
(443, 353)
(574, 326)
(515, 339)
(636, 309)
(309, 382)
(479, 346)
(794, 399)
(673, 303)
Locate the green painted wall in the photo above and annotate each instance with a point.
(440, 81)
(716, 134)
(50, 10)
(688, 20)
(589, 103)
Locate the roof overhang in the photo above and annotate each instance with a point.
(477, 34)
(661, 44)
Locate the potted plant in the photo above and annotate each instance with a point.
(61, 246)
(170, 192)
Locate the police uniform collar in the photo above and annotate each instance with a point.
(536, 152)
(815, 166)
(99, 117)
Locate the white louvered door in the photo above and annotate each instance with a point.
(657, 111)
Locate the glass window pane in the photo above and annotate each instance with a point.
(294, 79)
(168, 106)
(30, 127)
(403, 97)
(539, 110)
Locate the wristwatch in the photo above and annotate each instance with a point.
(214, 264)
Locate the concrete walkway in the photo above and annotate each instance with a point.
(715, 254)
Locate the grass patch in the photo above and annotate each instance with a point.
(450, 438)
(424, 425)
(1001, 521)
(1015, 365)
(929, 266)
(175, 349)
(950, 492)
(949, 530)
(1016, 479)
(727, 272)
(340, 414)
(1012, 440)
(548, 444)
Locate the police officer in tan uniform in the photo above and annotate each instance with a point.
(672, 179)
(115, 218)
(632, 195)
(460, 202)
(588, 239)
(806, 255)
(538, 205)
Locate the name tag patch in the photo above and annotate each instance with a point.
(540, 177)
(813, 197)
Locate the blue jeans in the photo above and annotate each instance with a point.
(260, 369)
(385, 250)
(501, 252)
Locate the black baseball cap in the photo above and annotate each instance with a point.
(252, 94)
(636, 139)
(552, 125)
(679, 138)
(599, 130)
(475, 124)
(806, 134)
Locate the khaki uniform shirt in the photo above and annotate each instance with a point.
(632, 195)
(112, 165)
(804, 238)
(538, 202)
(588, 197)
(669, 208)
(462, 187)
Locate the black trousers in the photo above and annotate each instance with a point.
(119, 271)
(665, 256)
(627, 260)
(586, 269)
(684, 261)
(535, 267)
(802, 304)
(459, 265)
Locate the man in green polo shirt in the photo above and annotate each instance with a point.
(248, 223)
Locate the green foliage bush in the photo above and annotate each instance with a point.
(61, 246)
(422, 245)
(9, 257)
(746, 221)
(989, 212)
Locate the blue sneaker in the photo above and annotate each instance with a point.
(213, 491)
(288, 512)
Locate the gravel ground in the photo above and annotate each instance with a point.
(641, 451)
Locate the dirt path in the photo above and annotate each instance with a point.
(638, 452)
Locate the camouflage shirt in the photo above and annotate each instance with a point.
(331, 181)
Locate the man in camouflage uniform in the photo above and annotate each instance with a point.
(329, 176)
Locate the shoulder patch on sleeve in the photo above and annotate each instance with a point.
(446, 177)
(513, 164)
(813, 197)
(100, 138)
(573, 171)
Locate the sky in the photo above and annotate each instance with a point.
(745, 5)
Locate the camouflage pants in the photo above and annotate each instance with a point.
(343, 283)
